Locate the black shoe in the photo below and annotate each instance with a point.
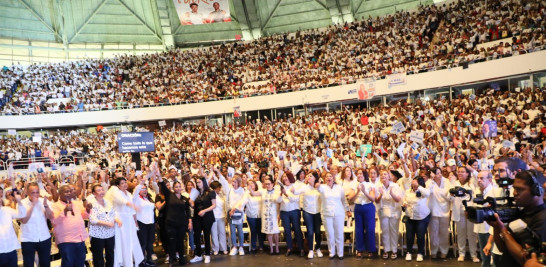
(182, 261)
(340, 258)
(332, 257)
(149, 263)
(288, 253)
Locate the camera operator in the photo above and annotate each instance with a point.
(482, 229)
(512, 239)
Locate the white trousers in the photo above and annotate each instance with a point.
(465, 230)
(439, 234)
(218, 235)
(390, 229)
(334, 233)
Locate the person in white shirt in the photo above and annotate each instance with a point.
(364, 210)
(417, 216)
(334, 208)
(234, 193)
(253, 206)
(145, 214)
(101, 228)
(290, 214)
(485, 179)
(440, 206)
(8, 240)
(311, 212)
(218, 231)
(35, 236)
(388, 199)
(464, 228)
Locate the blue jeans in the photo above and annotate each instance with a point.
(190, 239)
(240, 233)
(291, 221)
(418, 227)
(365, 227)
(482, 240)
(255, 225)
(72, 254)
(8, 259)
(312, 223)
(43, 248)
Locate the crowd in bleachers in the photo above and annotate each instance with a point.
(281, 168)
(432, 37)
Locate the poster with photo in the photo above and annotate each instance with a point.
(195, 12)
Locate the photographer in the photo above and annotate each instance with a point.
(513, 238)
(8, 240)
(482, 229)
(417, 216)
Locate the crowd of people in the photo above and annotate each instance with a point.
(326, 167)
(432, 37)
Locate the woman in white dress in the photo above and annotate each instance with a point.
(270, 224)
(127, 250)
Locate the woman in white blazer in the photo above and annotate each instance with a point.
(334, 208)
(389, 199)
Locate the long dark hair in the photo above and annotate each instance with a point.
(205, 186)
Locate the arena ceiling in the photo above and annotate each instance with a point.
(156, 22)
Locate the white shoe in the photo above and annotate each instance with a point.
(167, 259)
(319, 254)
(196, 259)
(215, 253)
(460, 258)
(241, 251)
(207, 259)
(475, 259)
(408, 257)
(154, 257)
(419, 257)
(233, 251)
(310, 255)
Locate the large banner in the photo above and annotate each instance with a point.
(136, 142)
(397, 79)
(191, 12)
(366, 88)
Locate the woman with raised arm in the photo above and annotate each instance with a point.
(177, 220)
(290, 214)
(311, 212)
(271, 197)
(8, 239)
(388, 199)
(145, 215)
(127, 247)
(334, 208)
(203, 218)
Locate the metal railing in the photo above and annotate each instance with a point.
(24, 163)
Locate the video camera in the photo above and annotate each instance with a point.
(459, 191)
(541, 253)
(488, 207)
(507, 211)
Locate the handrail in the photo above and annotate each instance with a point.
(421, 70)
(25, 162)
(3, 165)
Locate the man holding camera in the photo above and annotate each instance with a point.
(514, 238)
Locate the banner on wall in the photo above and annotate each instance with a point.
(366, 89)
(397, 79)
(192, 12)
(237, 112)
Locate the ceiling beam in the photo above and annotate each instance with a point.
(141, 21)
(270, 15)
(88, 20)
(322, 5)
(355, 11)
(35, 14)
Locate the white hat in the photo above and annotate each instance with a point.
(451, 162)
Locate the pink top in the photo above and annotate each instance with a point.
(69, 228)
